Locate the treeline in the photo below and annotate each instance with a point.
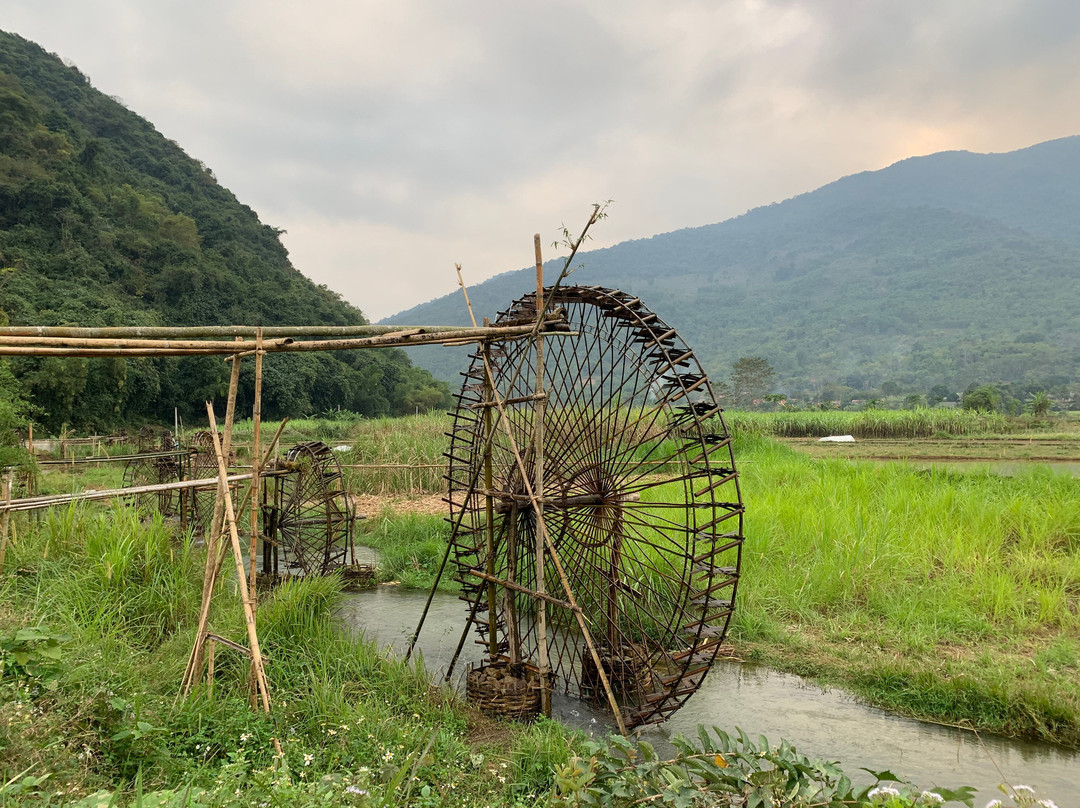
(105, 222)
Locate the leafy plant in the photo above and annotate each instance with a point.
(32, 653)
(722, 769)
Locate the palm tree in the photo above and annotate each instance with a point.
(1038, 404)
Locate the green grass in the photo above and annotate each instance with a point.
(929, 592)
(410, 545)
(123, 597)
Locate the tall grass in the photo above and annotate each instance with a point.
(352, 720)
(956, 578)
(111, 573)
(410, 450)
(919, 423)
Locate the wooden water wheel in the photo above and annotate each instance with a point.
(202, 465)
(151, 471)
(641, 501)
(315, 522)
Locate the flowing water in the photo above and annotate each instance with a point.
(826, 724)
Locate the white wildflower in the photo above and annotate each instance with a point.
(308, 759)
(932, 797)
(883, 791)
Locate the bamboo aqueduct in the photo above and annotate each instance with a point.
(596, 519)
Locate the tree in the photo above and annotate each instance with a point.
(1039, 404)
(939, 393)
(913, 401)
(751, 377)
(986, 398)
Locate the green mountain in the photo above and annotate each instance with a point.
(953, 269)
(103, 221)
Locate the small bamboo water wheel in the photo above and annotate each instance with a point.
(315, 522)
(154, 469)
(202, 465)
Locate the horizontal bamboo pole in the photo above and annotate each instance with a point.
(74, 461)
(51, 500)
(194, 332)
(109, 348)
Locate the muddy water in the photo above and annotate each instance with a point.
(826, 724)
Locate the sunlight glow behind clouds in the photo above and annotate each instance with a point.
(391, 140)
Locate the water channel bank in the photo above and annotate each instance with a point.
(827, 724)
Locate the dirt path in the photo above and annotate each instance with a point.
(371, 505)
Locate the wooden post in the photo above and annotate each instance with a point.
(238, 557)
(5, 519)
(489, 513)
(256, 458)
(210, 669)
(538, 491)
(195, 661)
(30, 438)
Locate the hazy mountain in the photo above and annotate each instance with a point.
(951, 269)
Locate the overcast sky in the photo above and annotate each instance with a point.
(393, 139)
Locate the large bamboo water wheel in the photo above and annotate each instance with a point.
(640, 500)
(315, 522)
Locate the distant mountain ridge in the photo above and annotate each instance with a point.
(951, 269)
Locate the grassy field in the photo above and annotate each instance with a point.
(95, 628)
(924, 422)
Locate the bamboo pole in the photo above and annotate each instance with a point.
(211, 567)
(234, 538)
(52, 500)
(256, 457)
(489, 518)
(221, 331)
(540, 408)
(91, 347)
(5, 519)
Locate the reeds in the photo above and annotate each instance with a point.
(924, 422)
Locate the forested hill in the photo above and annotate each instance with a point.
(103, 221)
(952, 269)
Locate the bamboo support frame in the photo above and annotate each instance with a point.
(258, 672)
(256, 457)
(538, 489)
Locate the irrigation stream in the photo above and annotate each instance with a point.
(826, 724)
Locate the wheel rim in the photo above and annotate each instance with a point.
(316, 517)
(642, 502)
